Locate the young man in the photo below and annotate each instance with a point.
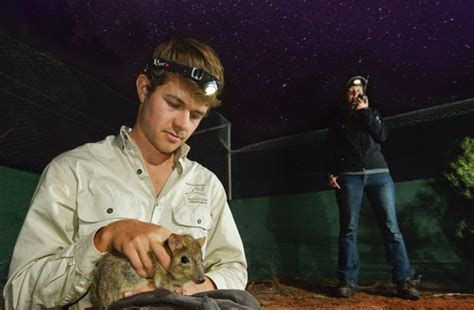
(357, 165)
(129, 192)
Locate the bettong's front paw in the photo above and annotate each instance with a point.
(180, 291)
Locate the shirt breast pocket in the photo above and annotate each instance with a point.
(93, 217)
(192, 220)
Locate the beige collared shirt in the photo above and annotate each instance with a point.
(96, 184)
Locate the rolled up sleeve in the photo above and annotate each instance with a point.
(49, 268)
(225, 257)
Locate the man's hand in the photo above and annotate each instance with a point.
(188, 288)
(135, 239)
(150, 287)
(333, 182)
(191, 288)
(360, 104)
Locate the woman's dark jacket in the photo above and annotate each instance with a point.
(353, 142)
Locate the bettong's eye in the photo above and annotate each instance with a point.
(184, 259)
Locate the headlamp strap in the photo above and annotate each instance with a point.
(194, 73)
(206, 81)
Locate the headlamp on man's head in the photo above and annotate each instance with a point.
(208, 83)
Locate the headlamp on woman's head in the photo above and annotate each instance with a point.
(208, 83)
(357, 81)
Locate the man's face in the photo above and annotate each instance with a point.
(353, 92)
(169, 116)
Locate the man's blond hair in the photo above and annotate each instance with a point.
(192, 53)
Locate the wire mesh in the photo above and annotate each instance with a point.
(420, 145)
(49, 107)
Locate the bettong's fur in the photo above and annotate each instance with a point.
(115, 275)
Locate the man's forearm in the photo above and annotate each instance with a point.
(191, 288)
(229, 276)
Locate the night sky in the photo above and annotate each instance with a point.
(286, 62)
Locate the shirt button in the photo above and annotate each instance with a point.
(139, 171)
(199, 221)
(110, 210)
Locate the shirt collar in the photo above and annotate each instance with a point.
(125, 143)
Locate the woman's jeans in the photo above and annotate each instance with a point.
(381, 194)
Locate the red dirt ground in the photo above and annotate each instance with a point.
(278, 295)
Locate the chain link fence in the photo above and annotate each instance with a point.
(49, 107)
(420, 145)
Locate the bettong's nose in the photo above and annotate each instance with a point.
(199, 279)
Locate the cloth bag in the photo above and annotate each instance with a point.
(162, 299)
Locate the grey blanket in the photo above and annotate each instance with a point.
(161, 299)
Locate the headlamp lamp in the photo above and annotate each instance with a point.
(208, 83)
(357, 82)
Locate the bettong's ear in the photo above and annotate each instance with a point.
(201, 241)
(175, 242)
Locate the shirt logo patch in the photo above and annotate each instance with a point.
(196, 193)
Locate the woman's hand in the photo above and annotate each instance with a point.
(333, 182)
